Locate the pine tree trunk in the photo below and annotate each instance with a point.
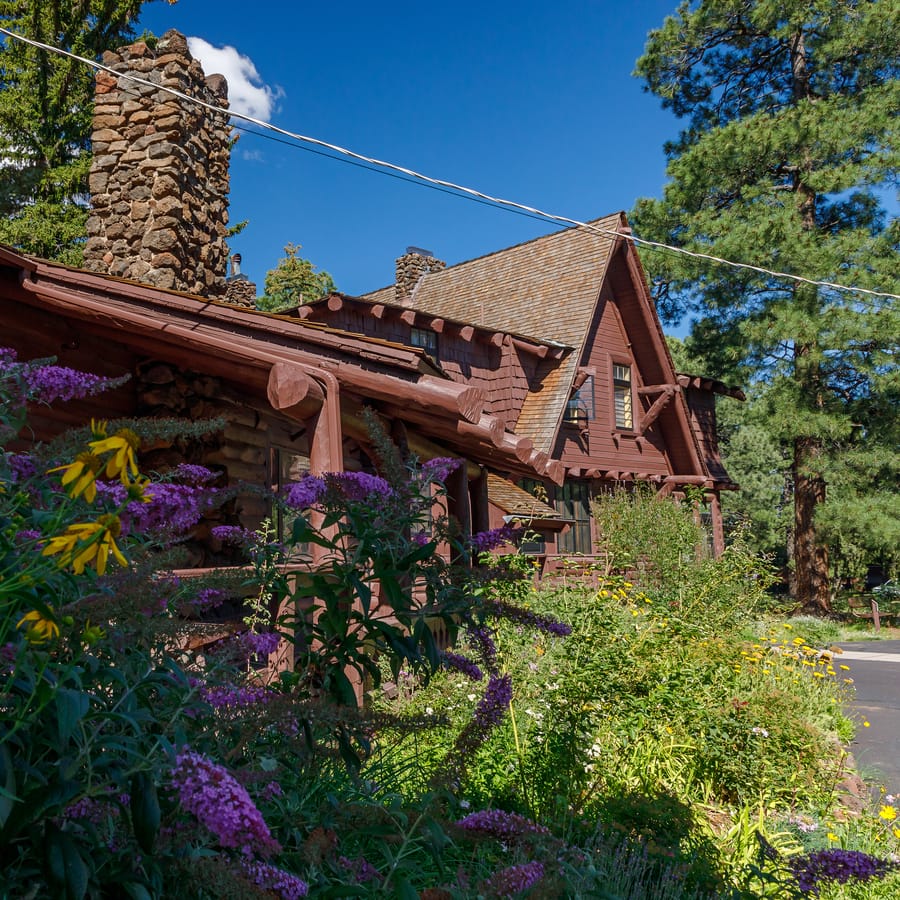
(810, 585)
(810, 558)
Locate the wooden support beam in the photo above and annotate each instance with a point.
(467, 332)
(436, 325)
(378, 310)
(408, 316)
(657, 388)
(658, 405)
(334, 302)
(291, 391)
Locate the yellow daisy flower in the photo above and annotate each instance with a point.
(80, 475)
(39, 627)
(123, 445)
(88, 542)
(888, 813)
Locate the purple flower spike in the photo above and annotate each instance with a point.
(232, 534)
(513, 880)
(261, 644)
(439, 468)
(527, 617)
(821, 866)
(304, 493)
(499, 824)
(285, 885)
(359, 486)
(461, 664)
(496, 537)
(210, 793)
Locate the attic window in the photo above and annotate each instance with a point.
(580, 408)
(622, 401)
(426, 339)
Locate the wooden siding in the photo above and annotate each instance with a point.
(601, 445)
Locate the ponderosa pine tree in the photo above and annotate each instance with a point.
(46, 104)
(293, 281)
(791, 140)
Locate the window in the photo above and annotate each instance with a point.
(427, 340)
(580, 407)
(624, 412)
(573, 501)
(288, 467)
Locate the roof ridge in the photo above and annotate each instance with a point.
(541, 237)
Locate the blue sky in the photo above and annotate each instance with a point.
(534, 102)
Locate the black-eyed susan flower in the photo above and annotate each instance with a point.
(38, 627)
(84, 543)
(123, 446)
(80, 475)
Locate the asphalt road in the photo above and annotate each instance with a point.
(875, 668)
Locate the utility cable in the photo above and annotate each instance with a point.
(449, 185)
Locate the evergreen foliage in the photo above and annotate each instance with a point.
(293, 281)
(790, 141)
(46, 107)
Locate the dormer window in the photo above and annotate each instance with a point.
(580, 408)
(426, 339)
(624, 410)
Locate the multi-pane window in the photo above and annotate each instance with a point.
(580, 407)
(426, 339)
(622, 400)
(573, 501)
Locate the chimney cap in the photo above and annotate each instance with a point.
(419, 251)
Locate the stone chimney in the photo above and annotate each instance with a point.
(240, 290)
(415, 263)
(159, 177)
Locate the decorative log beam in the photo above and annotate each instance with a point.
(408, 316)
(335, 302)
(657, 388)
(658, 405)
(292, 391)
(539, 350)
(467, 332)
(378, 310)
(436, 325)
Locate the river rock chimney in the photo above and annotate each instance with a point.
(414, 264)
(159, 177)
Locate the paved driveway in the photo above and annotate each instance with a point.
(875, 667)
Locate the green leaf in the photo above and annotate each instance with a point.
(145, 812)
(7, 784)
(71, 707)
(66, 868)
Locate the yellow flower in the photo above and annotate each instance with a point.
(832, 837)
(896, 832)
(88, 542)
(80, 475)
(845, 668)
(123, 445)
(40, 628)
(865, 724)
(888, 813)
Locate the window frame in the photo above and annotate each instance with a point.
(623, 387)
(584, 398)
(425, 339)
(572, 500)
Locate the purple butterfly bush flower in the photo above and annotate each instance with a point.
(260, 644)
(306, 492)
(526, 617)
(232, 696)
(438, 469)
(462, 664)
(496, 537)
(28, 536)
(361, 869)
(208, 598)
(513, 880)
(214, 797)
(174, 508)
(483, 639)
(193, 474)
(836, 865)
(497, 823)
(359, 486)
(488, 714)
(21, 466)
(232, 534)
(277, 881)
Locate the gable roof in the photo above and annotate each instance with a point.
(547, 288)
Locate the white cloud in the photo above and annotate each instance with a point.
(247, 93)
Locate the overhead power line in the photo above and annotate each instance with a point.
(418, 177)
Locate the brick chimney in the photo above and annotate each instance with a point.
(411, 267)
(159, 177)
